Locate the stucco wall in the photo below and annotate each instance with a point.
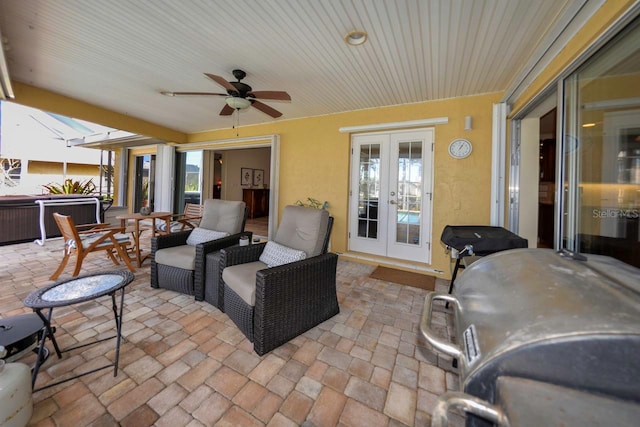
(314, 162)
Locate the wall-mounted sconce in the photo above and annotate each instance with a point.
(468, 123)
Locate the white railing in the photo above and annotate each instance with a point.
(64, 202)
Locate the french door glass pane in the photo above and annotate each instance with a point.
(144, 184)
(368, 190)
(193, 177)
(601, 176)
(409, 199)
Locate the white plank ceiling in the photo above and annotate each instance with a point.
(119, 54)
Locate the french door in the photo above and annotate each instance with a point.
(391, 194)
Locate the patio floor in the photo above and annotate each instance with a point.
(184, 363)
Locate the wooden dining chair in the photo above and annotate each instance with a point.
(187, 220)
(81, 240)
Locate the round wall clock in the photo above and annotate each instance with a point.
(460, 148)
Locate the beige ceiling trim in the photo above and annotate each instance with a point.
(395, 125)
(248, 142)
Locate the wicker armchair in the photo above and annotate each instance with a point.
(179, 266)
(272, 305)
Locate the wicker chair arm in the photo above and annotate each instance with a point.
(225, 242)
(169, 240)
(240, 254)
(292, 298)
(296, 272)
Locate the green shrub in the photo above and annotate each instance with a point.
(72, 187)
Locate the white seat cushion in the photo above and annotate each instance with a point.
(242, 279)
(183, 256)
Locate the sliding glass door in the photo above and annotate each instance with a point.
(144, 183)
(601, 152)
(188, 179)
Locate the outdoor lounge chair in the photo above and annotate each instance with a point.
(81, 240)
(271, 295)
(178, 259)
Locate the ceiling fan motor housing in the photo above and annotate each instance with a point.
(239, 74)
(241, 89)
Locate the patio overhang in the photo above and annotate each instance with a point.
(114, 140)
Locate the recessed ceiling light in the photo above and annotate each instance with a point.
(356, 37)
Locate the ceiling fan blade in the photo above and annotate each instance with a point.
(266, 109)
(226, 110)
(222, 82)
(193, 93)
(271, 94)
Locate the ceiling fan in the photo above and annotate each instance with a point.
(240, 95)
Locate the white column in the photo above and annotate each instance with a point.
(498, 167)
(165, 169)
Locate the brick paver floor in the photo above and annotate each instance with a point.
(184, 363)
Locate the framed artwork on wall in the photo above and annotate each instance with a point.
(258, 177)
(246, 176)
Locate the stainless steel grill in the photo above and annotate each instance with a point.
(532, 318)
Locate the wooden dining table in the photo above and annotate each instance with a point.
(138, 229)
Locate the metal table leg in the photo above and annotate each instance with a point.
(118, 319)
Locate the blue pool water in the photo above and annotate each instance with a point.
(408, 217)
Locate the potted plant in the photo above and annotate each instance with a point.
(313, 203)
(145, 209)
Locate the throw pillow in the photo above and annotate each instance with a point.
(275, 254)
(201, 235)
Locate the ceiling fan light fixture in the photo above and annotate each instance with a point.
(238, 103)
(356, 37)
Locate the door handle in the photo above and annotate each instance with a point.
(393, 202)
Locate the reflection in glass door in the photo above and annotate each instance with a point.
(391, 211)
(369, 191)
(408, 206)
(600, 175)
(144, 184)
(188, 179)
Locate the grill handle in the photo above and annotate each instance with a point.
(425, 325)
(468, 404)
